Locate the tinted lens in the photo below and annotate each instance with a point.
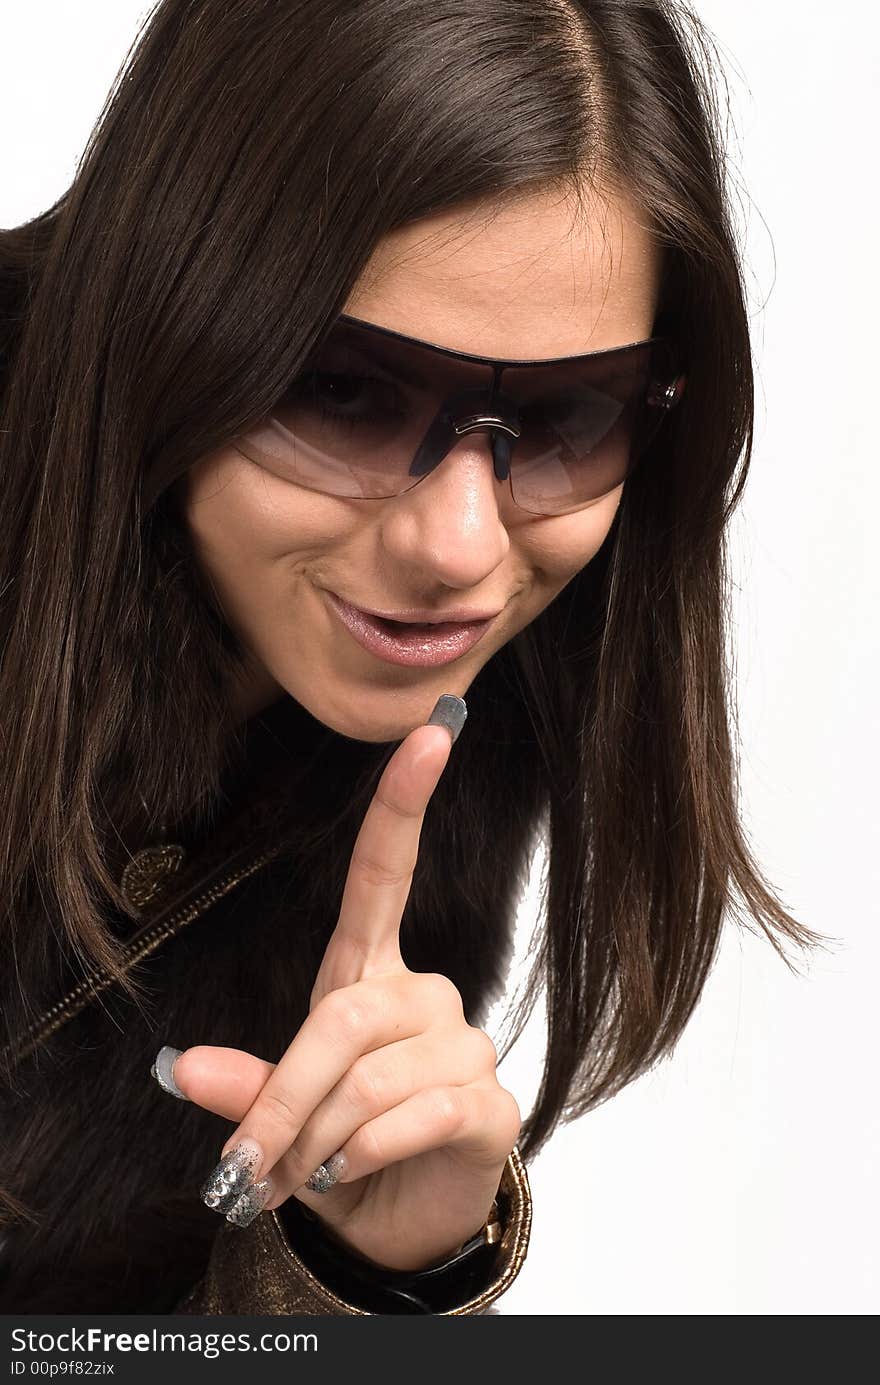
(368, 403)
(348, 426)
(582, 433)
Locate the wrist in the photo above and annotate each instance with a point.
(488, 1232)
(433, 1288)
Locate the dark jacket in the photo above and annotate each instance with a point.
(106, 1167)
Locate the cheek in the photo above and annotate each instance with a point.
(239, 517)
(559, 546)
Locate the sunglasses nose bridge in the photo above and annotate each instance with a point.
(502, 436)
(470, 411)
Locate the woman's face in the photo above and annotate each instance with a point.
(535, 280)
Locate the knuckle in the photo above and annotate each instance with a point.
(442, 993)
(514, 1116)
(364, 1086)
(377, 873)
(446, 1110)
(398, 809)
(345, 1016)
(366, 1149)
(484, 1049)
(278, 1108)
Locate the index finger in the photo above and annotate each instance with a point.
(366, 938)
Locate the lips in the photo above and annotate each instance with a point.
(460, 616)
(417, 645)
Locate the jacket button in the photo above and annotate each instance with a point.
(148, 874)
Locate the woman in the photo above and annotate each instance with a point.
(258, 403)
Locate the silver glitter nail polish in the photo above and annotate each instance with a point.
(163, 1071)
(250, 1204)
(450, 711)
(234, 1175)
(326, 1174)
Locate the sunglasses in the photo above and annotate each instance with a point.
(373, 412)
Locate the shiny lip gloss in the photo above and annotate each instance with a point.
(422, 646)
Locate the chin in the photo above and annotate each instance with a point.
(395, 712)
(374, 731)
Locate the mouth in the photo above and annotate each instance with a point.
(423, 644)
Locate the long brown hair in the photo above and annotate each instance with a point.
(248, 159)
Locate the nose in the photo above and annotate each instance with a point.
(454, 523)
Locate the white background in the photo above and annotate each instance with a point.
(740, 1177)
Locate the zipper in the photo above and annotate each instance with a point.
(145, 941)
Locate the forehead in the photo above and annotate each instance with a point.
(544, 275)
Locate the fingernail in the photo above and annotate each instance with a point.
(234, 1175)
(328, 1173)
(250, 1204)
(450, 711)
(163, 1071)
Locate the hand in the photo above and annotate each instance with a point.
(385, 1071)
